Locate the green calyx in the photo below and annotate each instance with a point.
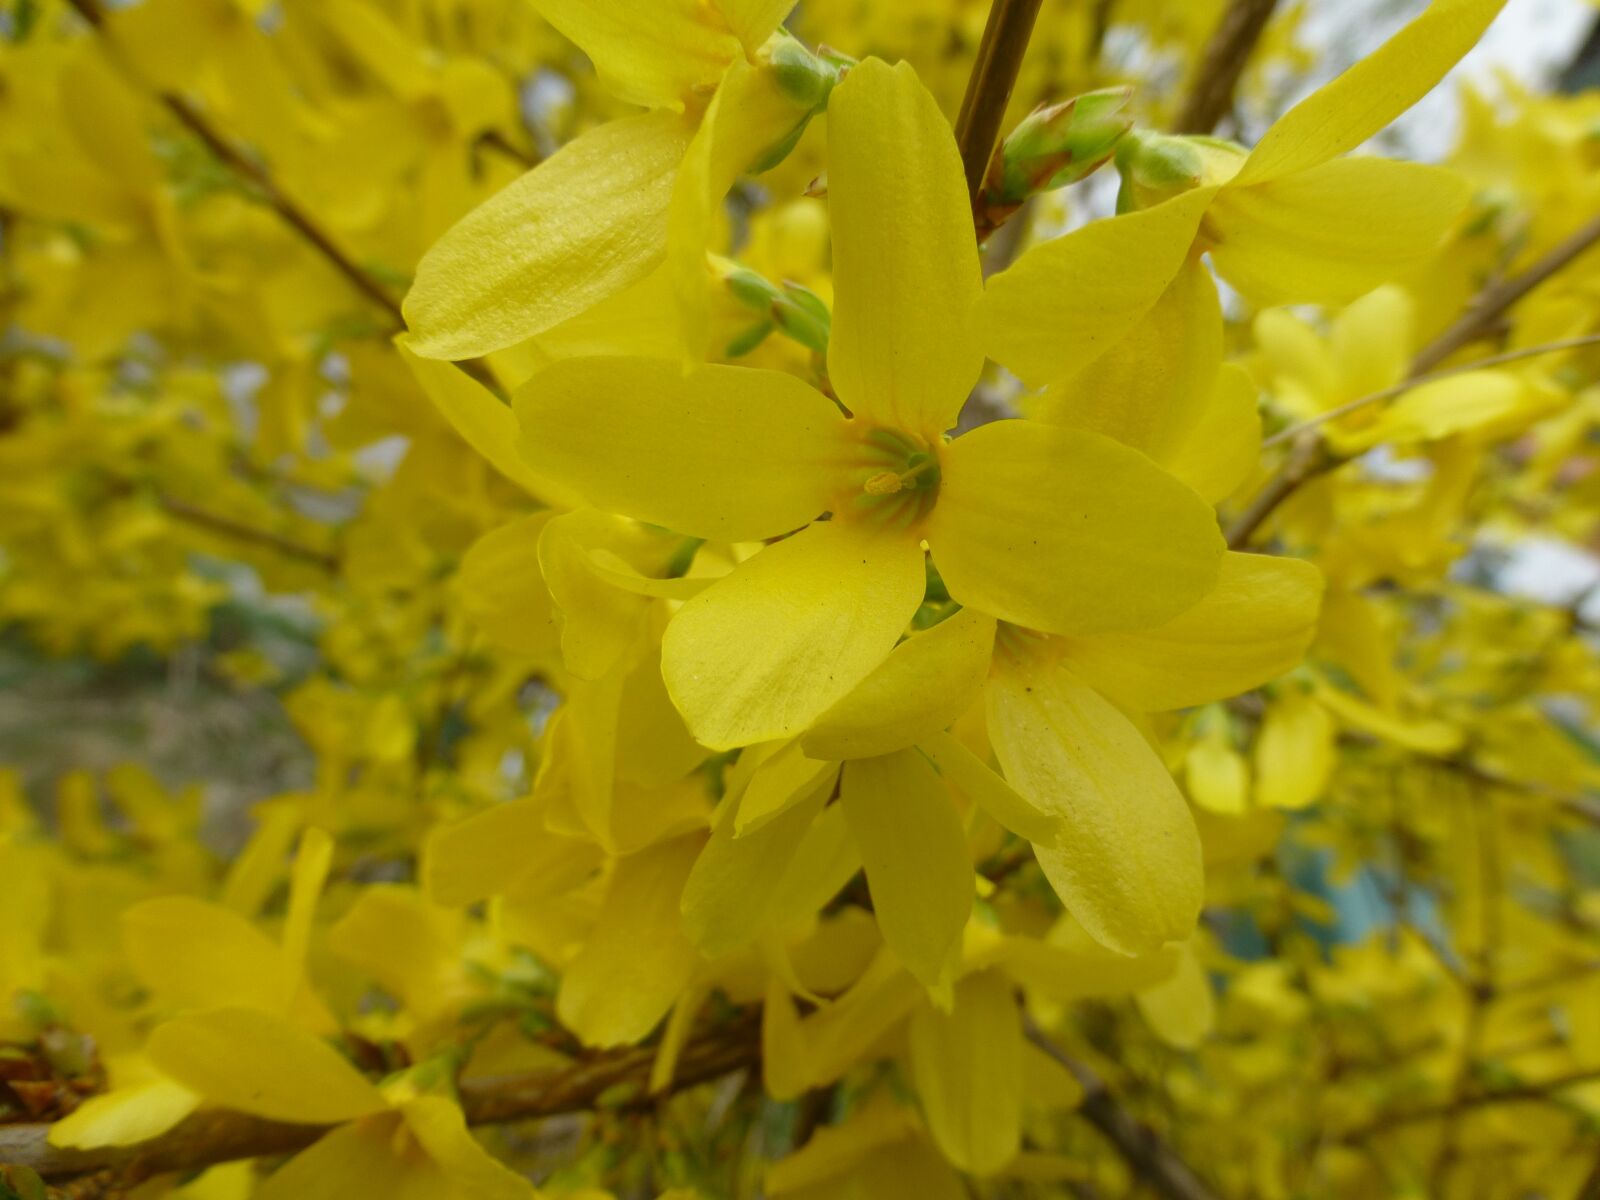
(1158, 166)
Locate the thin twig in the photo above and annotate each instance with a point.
(1542, 1090)
(1216, 75)
(994, 74)
(613, 1079)
(240, 532)
(1147, 1154)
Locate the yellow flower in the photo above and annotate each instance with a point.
(1055, 529)
(1289, 222)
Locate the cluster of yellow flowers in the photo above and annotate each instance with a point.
(820, 684)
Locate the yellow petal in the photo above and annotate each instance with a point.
(967, 1066)
(927, 681)
(1252, 627)
(1149, 389)
(1039, 319)
(1223, 447)
(245, 1060)
(1065, 973)
(754, 21)
(781, 781)
(310, 872)
(1425, 735)
(359, 1159)
(600, 623)
(915, 854)
(1300, 371)
(125, 1115)
(581, 226)
(201, 955)
(749, 114)
(963, 771)
(1181, 1008)
(903, 352)
(1371, 341)
(484, 854)
(471, 1172)
(502, 589)
(636, 959)
(724, 452)
(649, 52)
(1328, 234)
(484, 423)
(1067, 531)
(1128, 867)
(762, 652)
(1340, 115)
(1475, 402)
(1217, 777)
(736, 881)
(1294, 754)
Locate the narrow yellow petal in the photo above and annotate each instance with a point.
(246, 1060)
(581, 226)
(1064, 530)
(1294, 755)
(1181, 1008)
(1128, 867)
(927, 682)
(783, 780)
(1340, 115)
(358, 1159)
(723, 452)
(762, 652)
(963, 771)
(125, 1115)
(636, 959)
(484, 854)
(1328, 234)
(1252, 627)
(649, 52)
(471, 1171)
(503, 590)
(903, 351)
(201, 955)
(967, 1066)
(754, 21)
(1039, 319)
(915, 854)
(484, 423)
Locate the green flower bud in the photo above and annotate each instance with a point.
(1053, 146)
(1159, 166)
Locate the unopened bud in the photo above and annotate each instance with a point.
(1053, 146)
(806, 78)
(1159, 166)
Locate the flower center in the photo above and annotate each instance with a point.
(899, 478)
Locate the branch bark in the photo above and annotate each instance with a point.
(616, 1079)
(994, 74)
(1144, 1150)
(240, 532)
(1216, 75)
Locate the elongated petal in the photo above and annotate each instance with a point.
(354, 1160)
(915, 855)
(471, 1171)
(1067, 531)
(125, 1115)
(749, 113)
(967, 1066)
(754, 21)
(1040, 319)
(928, 681)
(724, 452)
(649, 52)
(503, 590)
(636, 959)
(1340, 115)
(1328, 234)
(581, 226)
(1294, 754)
(246, 1060)
(782, 781)
(1223, 447)
(1252, 627)
(484, 423)
(201, 955)
(735, 881)
(1149, 389)
(963, 771)
(903, 351)
(483, 854)
(762, 652)
(1371, 340)
(1181, 1009)
(1128, 867)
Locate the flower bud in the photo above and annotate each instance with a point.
(1053, 146)
(1159, 166)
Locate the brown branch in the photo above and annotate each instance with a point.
(1479, 319)
(1216, 75)
(240, 532)
(609, 1079)
(994, 74)
(1144, 1150)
